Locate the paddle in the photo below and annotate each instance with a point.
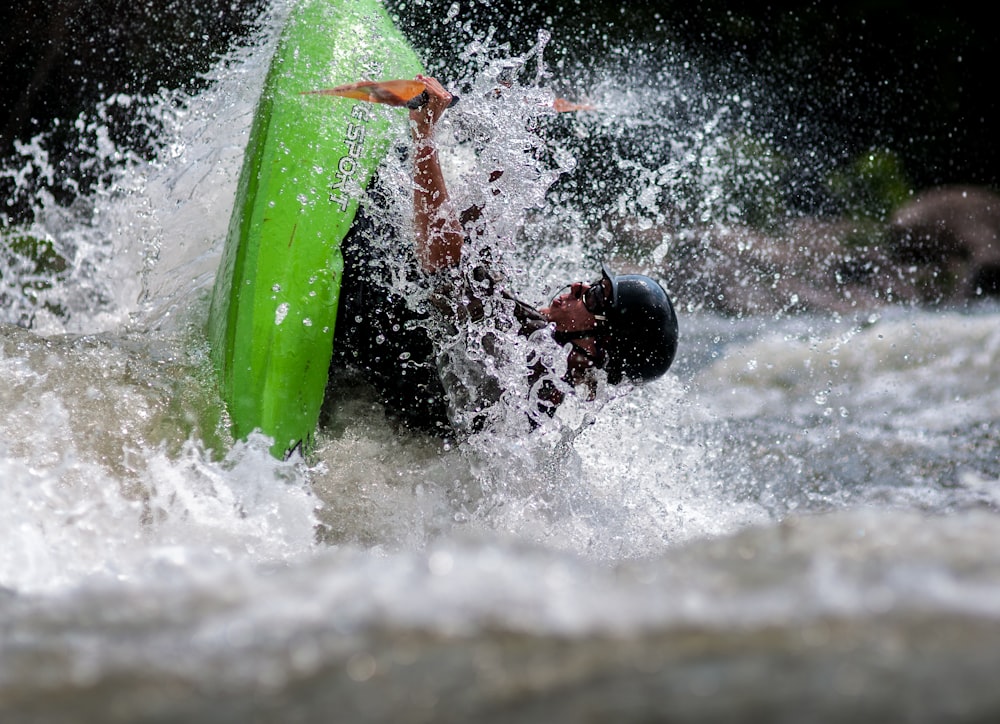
(561, 105)
(396, 93)
(411, 94)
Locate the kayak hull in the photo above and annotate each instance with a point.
(309, 157)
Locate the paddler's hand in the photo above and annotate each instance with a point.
(438, 101)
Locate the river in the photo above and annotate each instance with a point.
(798, 523)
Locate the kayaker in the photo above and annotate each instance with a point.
(418, 356)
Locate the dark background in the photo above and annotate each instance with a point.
(858, 74)
(862, 75)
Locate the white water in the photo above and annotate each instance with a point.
(799, 521)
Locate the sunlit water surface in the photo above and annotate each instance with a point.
(798, 523)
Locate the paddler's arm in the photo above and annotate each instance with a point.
(439, 234)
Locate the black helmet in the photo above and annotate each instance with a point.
(640, 336)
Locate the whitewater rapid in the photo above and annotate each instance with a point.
(799, 521)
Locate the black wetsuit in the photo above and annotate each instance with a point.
(388, 341)
(381, 337)
(391, 343)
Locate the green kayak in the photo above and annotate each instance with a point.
(308, 159)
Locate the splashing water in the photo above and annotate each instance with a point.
(810, 494)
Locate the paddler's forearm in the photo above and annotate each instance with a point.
(438, 229)
(439, 235)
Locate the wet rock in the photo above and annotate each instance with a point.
(955, 230)
(811, 265)
(940, 248)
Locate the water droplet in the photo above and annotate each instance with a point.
(441, 563)
(361, 666)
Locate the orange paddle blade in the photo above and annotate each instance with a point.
(561, 105)
(389, 92)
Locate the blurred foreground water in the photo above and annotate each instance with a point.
(798, 523)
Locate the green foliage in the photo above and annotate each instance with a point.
(751, 183)
(35, 254)
(30, 265)
(871, 187)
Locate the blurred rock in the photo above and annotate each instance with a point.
(943, 247)
(955, 230)
(811, 266)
